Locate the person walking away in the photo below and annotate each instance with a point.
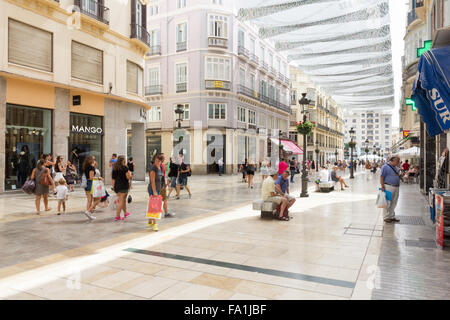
(220, 163)
(59, 169)
(130, 165)
(113, 160)
(121, 178)
(390, 181)
(89, 172)
(164, 188)
(156, 176)
(336, 178)
(71, 175)
(61, 195)
(251, 173)
(173, 176)
(292, 166)
(183, 172)
(282, 166)
(269, 193)
(282, 187)
(43, 179)
(264, 171)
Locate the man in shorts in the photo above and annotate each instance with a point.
(282, 187)
(183, 171)
(269, 193)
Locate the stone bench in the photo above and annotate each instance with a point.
(326, 186)
(267, 208)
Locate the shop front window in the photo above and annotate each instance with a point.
(28, 136)
(85, 139)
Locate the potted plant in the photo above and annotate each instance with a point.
(352, 144)
(366, 150)
(304, 127)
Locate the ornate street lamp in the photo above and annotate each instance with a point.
(280, 146)
(367, 148)
(304, 102)
(317, 155)
(335, 155)
(351, 144)
(179, 111)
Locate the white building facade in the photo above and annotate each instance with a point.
(233, 86)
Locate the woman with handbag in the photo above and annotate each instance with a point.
(121, 178)
(89, 172)
(43, 179)
(156, 176)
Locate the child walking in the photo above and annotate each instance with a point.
(61, 195)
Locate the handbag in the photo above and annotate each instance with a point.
(97, 190)
(154, 209)
(130, 198)
(29, 186)
(45, 180)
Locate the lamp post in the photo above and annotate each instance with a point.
(280, 147)
(351, 145)
(335, 155)
(304, 102)
(367, 147)
(317, 155)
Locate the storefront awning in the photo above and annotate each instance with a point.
(411, 152)
(289, 146)
(431, 89)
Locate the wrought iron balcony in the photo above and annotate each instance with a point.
(154, 50)
(251, 93)
(182, 87)
(243, 52)
(140, 33)
(254, 59)
(273, 71)
(218, 85)
(93, 9)
(217, 42)
(181, 46)
(153, 90)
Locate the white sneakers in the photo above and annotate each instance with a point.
(89, 215)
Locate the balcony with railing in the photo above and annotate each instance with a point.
(264, 66)
(254, 59)
(218, 85)
(140, 33)
(242, 52)
(154, 50)
(272, 72)
(153, 90)
(181, 46)
(93, 9)
(182, 87)
(217, 42)
(251, 93)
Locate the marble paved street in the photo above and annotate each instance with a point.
(336, 247)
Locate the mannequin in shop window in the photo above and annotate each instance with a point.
(24, 165)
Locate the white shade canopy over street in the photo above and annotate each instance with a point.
(344, 46)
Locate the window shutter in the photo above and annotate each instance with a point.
(30, 46)
(87, 63)
(144, 17)
(133, 19)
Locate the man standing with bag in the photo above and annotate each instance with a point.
(390, 181)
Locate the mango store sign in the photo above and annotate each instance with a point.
(85, 129)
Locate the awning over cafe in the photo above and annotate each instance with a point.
(289, 146)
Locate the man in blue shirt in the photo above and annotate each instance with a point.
(390, 181)
(282, 187)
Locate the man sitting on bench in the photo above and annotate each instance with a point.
(269, 193)
(282, 187)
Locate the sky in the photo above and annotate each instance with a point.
(398, 11)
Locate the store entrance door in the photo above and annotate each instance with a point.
(215, 151)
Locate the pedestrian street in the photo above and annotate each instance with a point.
(217, 247)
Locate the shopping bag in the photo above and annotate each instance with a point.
(97, 189)
(154, 210)
(29, 186)
(381, 200)
(83, 181)
(103, 189)
(113, 202)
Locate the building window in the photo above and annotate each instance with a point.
(153, 9)
(217, 111)
(181, 34)
(134, 78)
(262, 120)
(251, 117)
(242, 76)
(30, 46)
(218, 26)
(153, 76)
(387, 126)
(363, 120)
(87, 63)
(241, 114)
(181, 77)
(263, 54)
(217, 2)
(185, 115)
(252, 46)
(181, 4)
(241, 38)
(154, 114)
(218, 68)
(252, 81)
